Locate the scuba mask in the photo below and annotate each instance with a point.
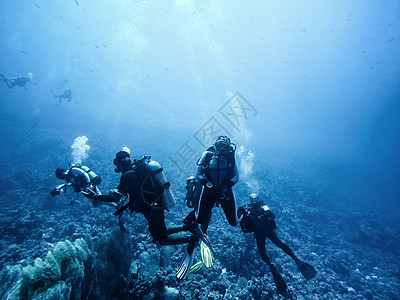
(121, 163)
(222, 145)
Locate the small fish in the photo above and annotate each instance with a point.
(166, 69)
(61, 17)
(36, 5)
(90, 70)
(22, 51)
(387, 41)
(96, 46)
(77, 2)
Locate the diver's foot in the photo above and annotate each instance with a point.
(281, 287)
(190, 218)
(199, 233)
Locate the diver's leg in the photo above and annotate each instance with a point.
(261, 248)
(229, 206)
(158, 229)
(171, 229)
(10, 84)
(280, 283)
(274, 238)
(5, 79)
(206, 204)
(156, 221)
(173, 240)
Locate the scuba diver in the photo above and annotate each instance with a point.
(144, 188)
(81, 179)
(193, 193)
(65, 94)
(217, 172)
(19, 80)
(259, 219)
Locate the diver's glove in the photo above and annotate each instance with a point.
(115, 195)
(55, 192)
(241, 211)
(90, 194)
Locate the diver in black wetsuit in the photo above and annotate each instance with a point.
(65, 94)
(259, 219)
(148, 193)
(17, 81)
(145, 196)
(218, 173)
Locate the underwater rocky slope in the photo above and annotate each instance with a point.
(63, 248)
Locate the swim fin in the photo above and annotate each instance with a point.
(206, 256)
(196, 267)
(305, 269)
(188, 259)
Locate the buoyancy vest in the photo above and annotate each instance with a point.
(217, 169)
(257, 217)
(153, 186)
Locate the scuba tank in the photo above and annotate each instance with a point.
(156, 170)
(92, 175)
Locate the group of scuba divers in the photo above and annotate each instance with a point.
(143, 188)
(21, 81)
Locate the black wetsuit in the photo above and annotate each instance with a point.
(19, 81)
(222, 172)
(133, 183)
(259, 219)
(66, 94)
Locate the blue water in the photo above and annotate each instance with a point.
(309, 93)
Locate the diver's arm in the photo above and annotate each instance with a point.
(113, 196)
(235, 178)
(106, 198)
(127, 183)
(200, 175)
(55, 96)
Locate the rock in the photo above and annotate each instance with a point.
(171, 293)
